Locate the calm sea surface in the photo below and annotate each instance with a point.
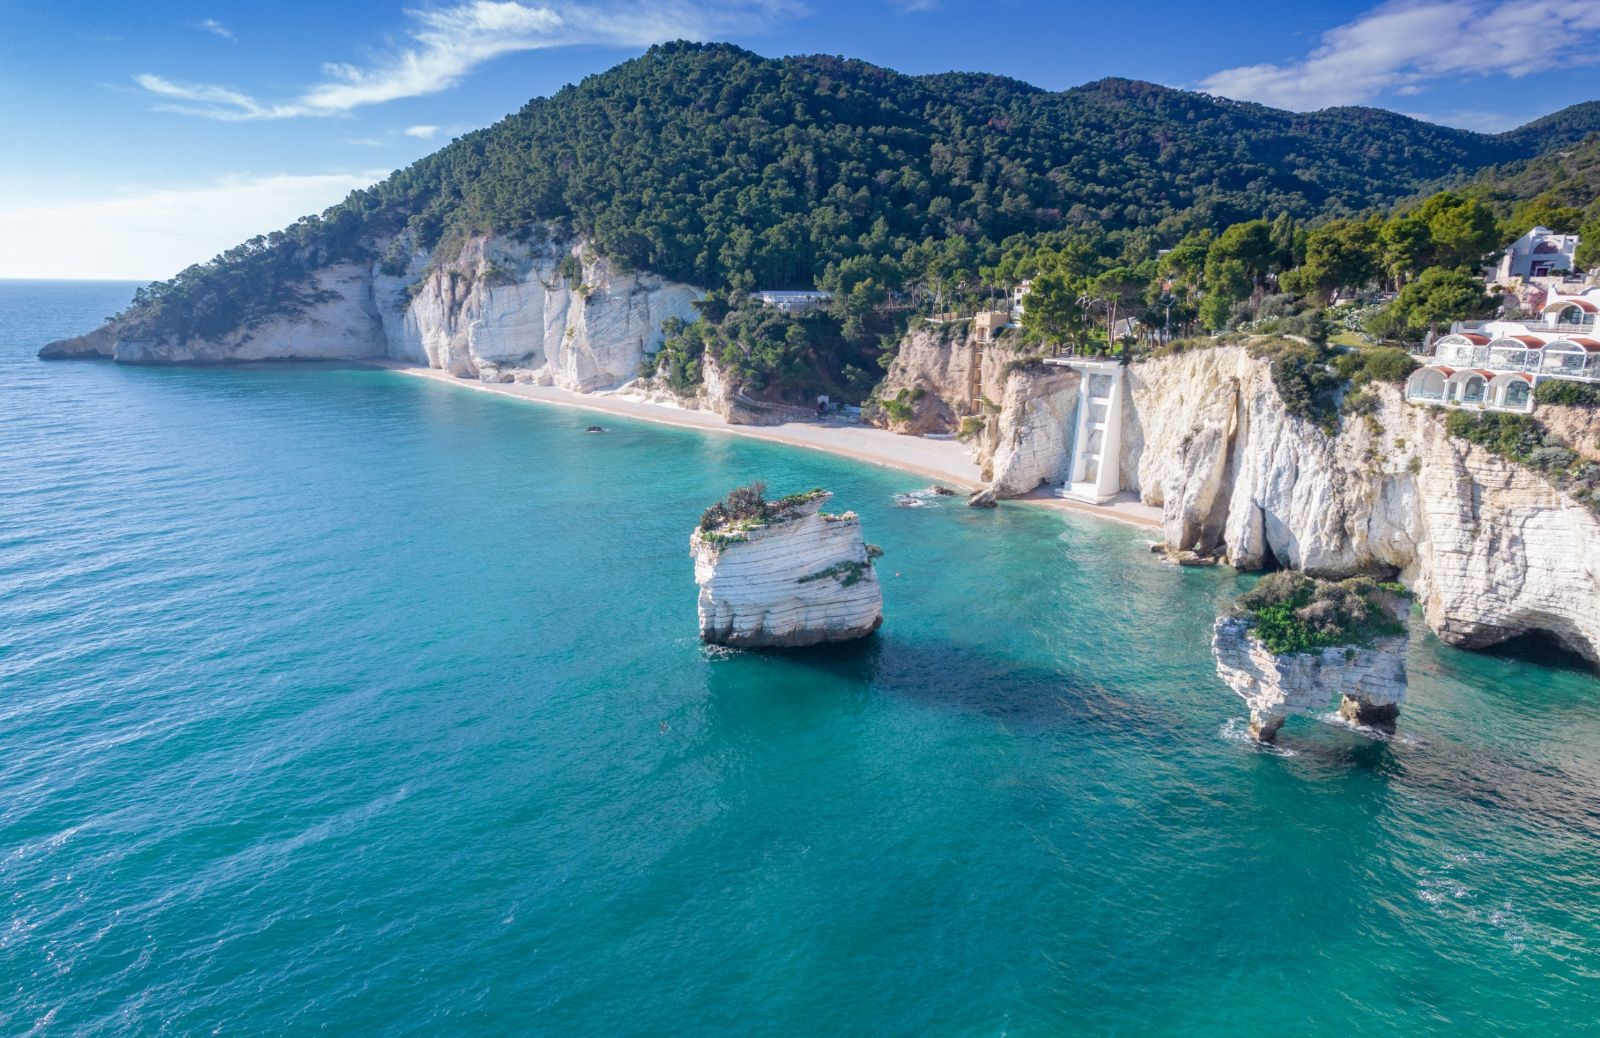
(336, 701)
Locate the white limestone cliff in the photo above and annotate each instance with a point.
(1030, 441)
(1368, 682)
(1491, 548)
(498, 310)
(803, 577)
(935, 370)
(502, 311)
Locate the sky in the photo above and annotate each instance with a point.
(136, 139)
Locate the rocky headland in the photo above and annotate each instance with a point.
(784, 573)
(1492, 549)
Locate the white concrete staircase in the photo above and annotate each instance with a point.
(1096, 474)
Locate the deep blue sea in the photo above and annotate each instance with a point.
(335, 701)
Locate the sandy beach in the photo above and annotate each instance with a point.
(945, 461)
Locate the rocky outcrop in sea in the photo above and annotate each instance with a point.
(783, 574)
(1274, 650)
(1368, 684)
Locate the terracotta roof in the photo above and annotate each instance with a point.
(1589, 345)
(1447, 372)
(1531, 341)
(1582, 304)
(1473, 337)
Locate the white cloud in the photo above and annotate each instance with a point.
(422, 133)
(155, 234)
(446, 43)
(1468, 119)
(1405, 45)
(213, 101)
(216, 28)
(914, 6)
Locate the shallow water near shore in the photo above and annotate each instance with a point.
(335, 699)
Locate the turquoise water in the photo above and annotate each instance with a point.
(337, 701)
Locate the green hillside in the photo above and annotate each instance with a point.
(712, 165)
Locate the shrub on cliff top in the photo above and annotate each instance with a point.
(1388, 364)
(1572, 394)
(747, 506)
(1290, 612)
(1308, 387)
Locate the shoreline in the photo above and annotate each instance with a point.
(945, 461)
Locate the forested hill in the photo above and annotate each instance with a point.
(1559, 189)
(704, 162)
(716, 166)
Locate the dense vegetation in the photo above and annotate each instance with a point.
(1570, 394)
(746, 507)
(724, 169)
(1559, 190)
(1293, 613)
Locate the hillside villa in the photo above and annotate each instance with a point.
(1540, 253)
(1495, 365)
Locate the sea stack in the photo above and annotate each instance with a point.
(784, 573)
(1295, 644)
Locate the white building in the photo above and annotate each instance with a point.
(794, 302)
(1018, 294)
(1495, 365)
(1536, 254)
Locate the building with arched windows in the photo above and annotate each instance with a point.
(1495, 365)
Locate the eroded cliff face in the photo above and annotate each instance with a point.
(933, 369)
(1491, 548)
(803, 579)
(1030, 441)
(499, 310)
(502, 311)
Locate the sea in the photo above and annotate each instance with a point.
(335, 701)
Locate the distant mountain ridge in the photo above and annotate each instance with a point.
(717, 167)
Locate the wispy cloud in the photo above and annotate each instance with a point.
(156, 233)
(1406, 45)
(214, 101)
(1468, 119)
(913, 6)
(422, 133)
(444, 44)
(216, 28)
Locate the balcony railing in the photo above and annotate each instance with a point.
(1535, 362)
(1560, 327)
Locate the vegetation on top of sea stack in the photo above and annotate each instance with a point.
(746, 507)
(1290, 612)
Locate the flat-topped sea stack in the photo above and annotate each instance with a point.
(1295, 645)
(784, 573)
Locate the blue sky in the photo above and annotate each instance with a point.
(141, 137)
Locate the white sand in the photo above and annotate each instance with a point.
(943, 460)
